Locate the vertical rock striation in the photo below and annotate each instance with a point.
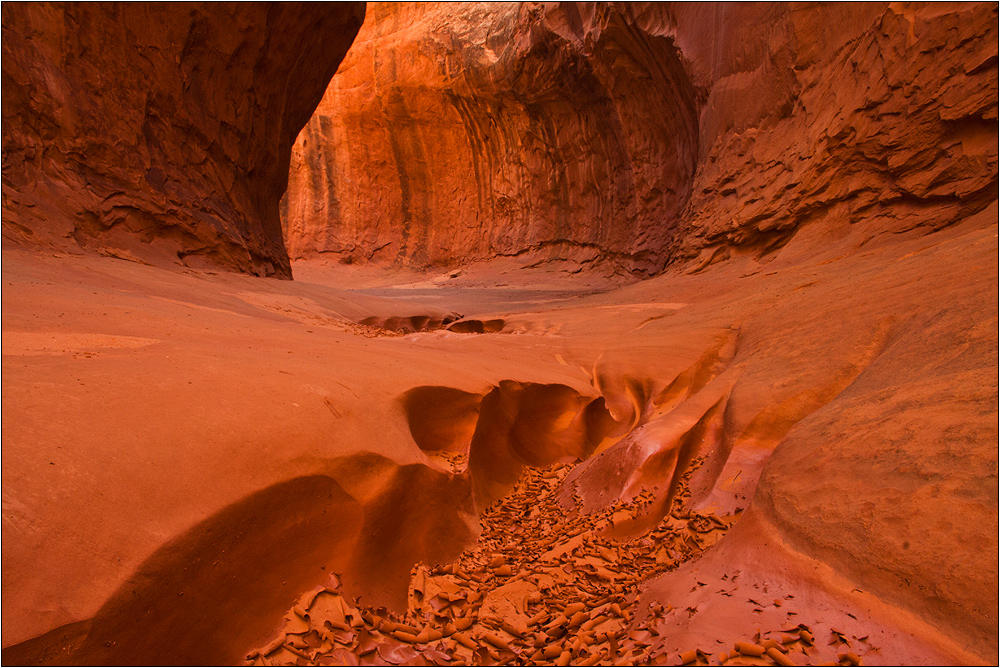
(643, 133)
(465, 131)
(161, 132)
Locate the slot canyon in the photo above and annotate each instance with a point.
(500, 334)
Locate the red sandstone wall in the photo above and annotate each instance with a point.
(642, 133)
(161, 132)
(464, 131)
(848, 113)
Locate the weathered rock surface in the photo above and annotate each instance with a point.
(642, 134)
(182, 461)
(883, 116)
(459, 132)
(161, 132)
(186, 454)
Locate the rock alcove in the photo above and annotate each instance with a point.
(620, 333)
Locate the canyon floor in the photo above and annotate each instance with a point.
(750, 463)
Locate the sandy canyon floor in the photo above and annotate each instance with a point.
(780, 449)
(768, 461)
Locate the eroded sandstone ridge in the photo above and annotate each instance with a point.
(161, 132)
(637, 134)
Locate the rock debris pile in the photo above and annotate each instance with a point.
(543, 585)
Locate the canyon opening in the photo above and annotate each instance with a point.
(500, 334)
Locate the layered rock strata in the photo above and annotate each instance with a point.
(161, 132)
(839, 115)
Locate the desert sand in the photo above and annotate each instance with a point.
(749, 418)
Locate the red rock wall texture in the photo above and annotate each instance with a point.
(161, 131)
(847, 113)
(642, 134)
(457, 132)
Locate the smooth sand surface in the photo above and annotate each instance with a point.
(186, 454)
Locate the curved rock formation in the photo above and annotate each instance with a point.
(161, 132)
(642, 134)
(456, 132)
(786, 442)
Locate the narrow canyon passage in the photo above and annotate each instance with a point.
(616, 334)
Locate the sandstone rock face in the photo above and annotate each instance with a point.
(642, 134)
(785, 443)
(465, 131)
(161, 132)
(843, 114)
